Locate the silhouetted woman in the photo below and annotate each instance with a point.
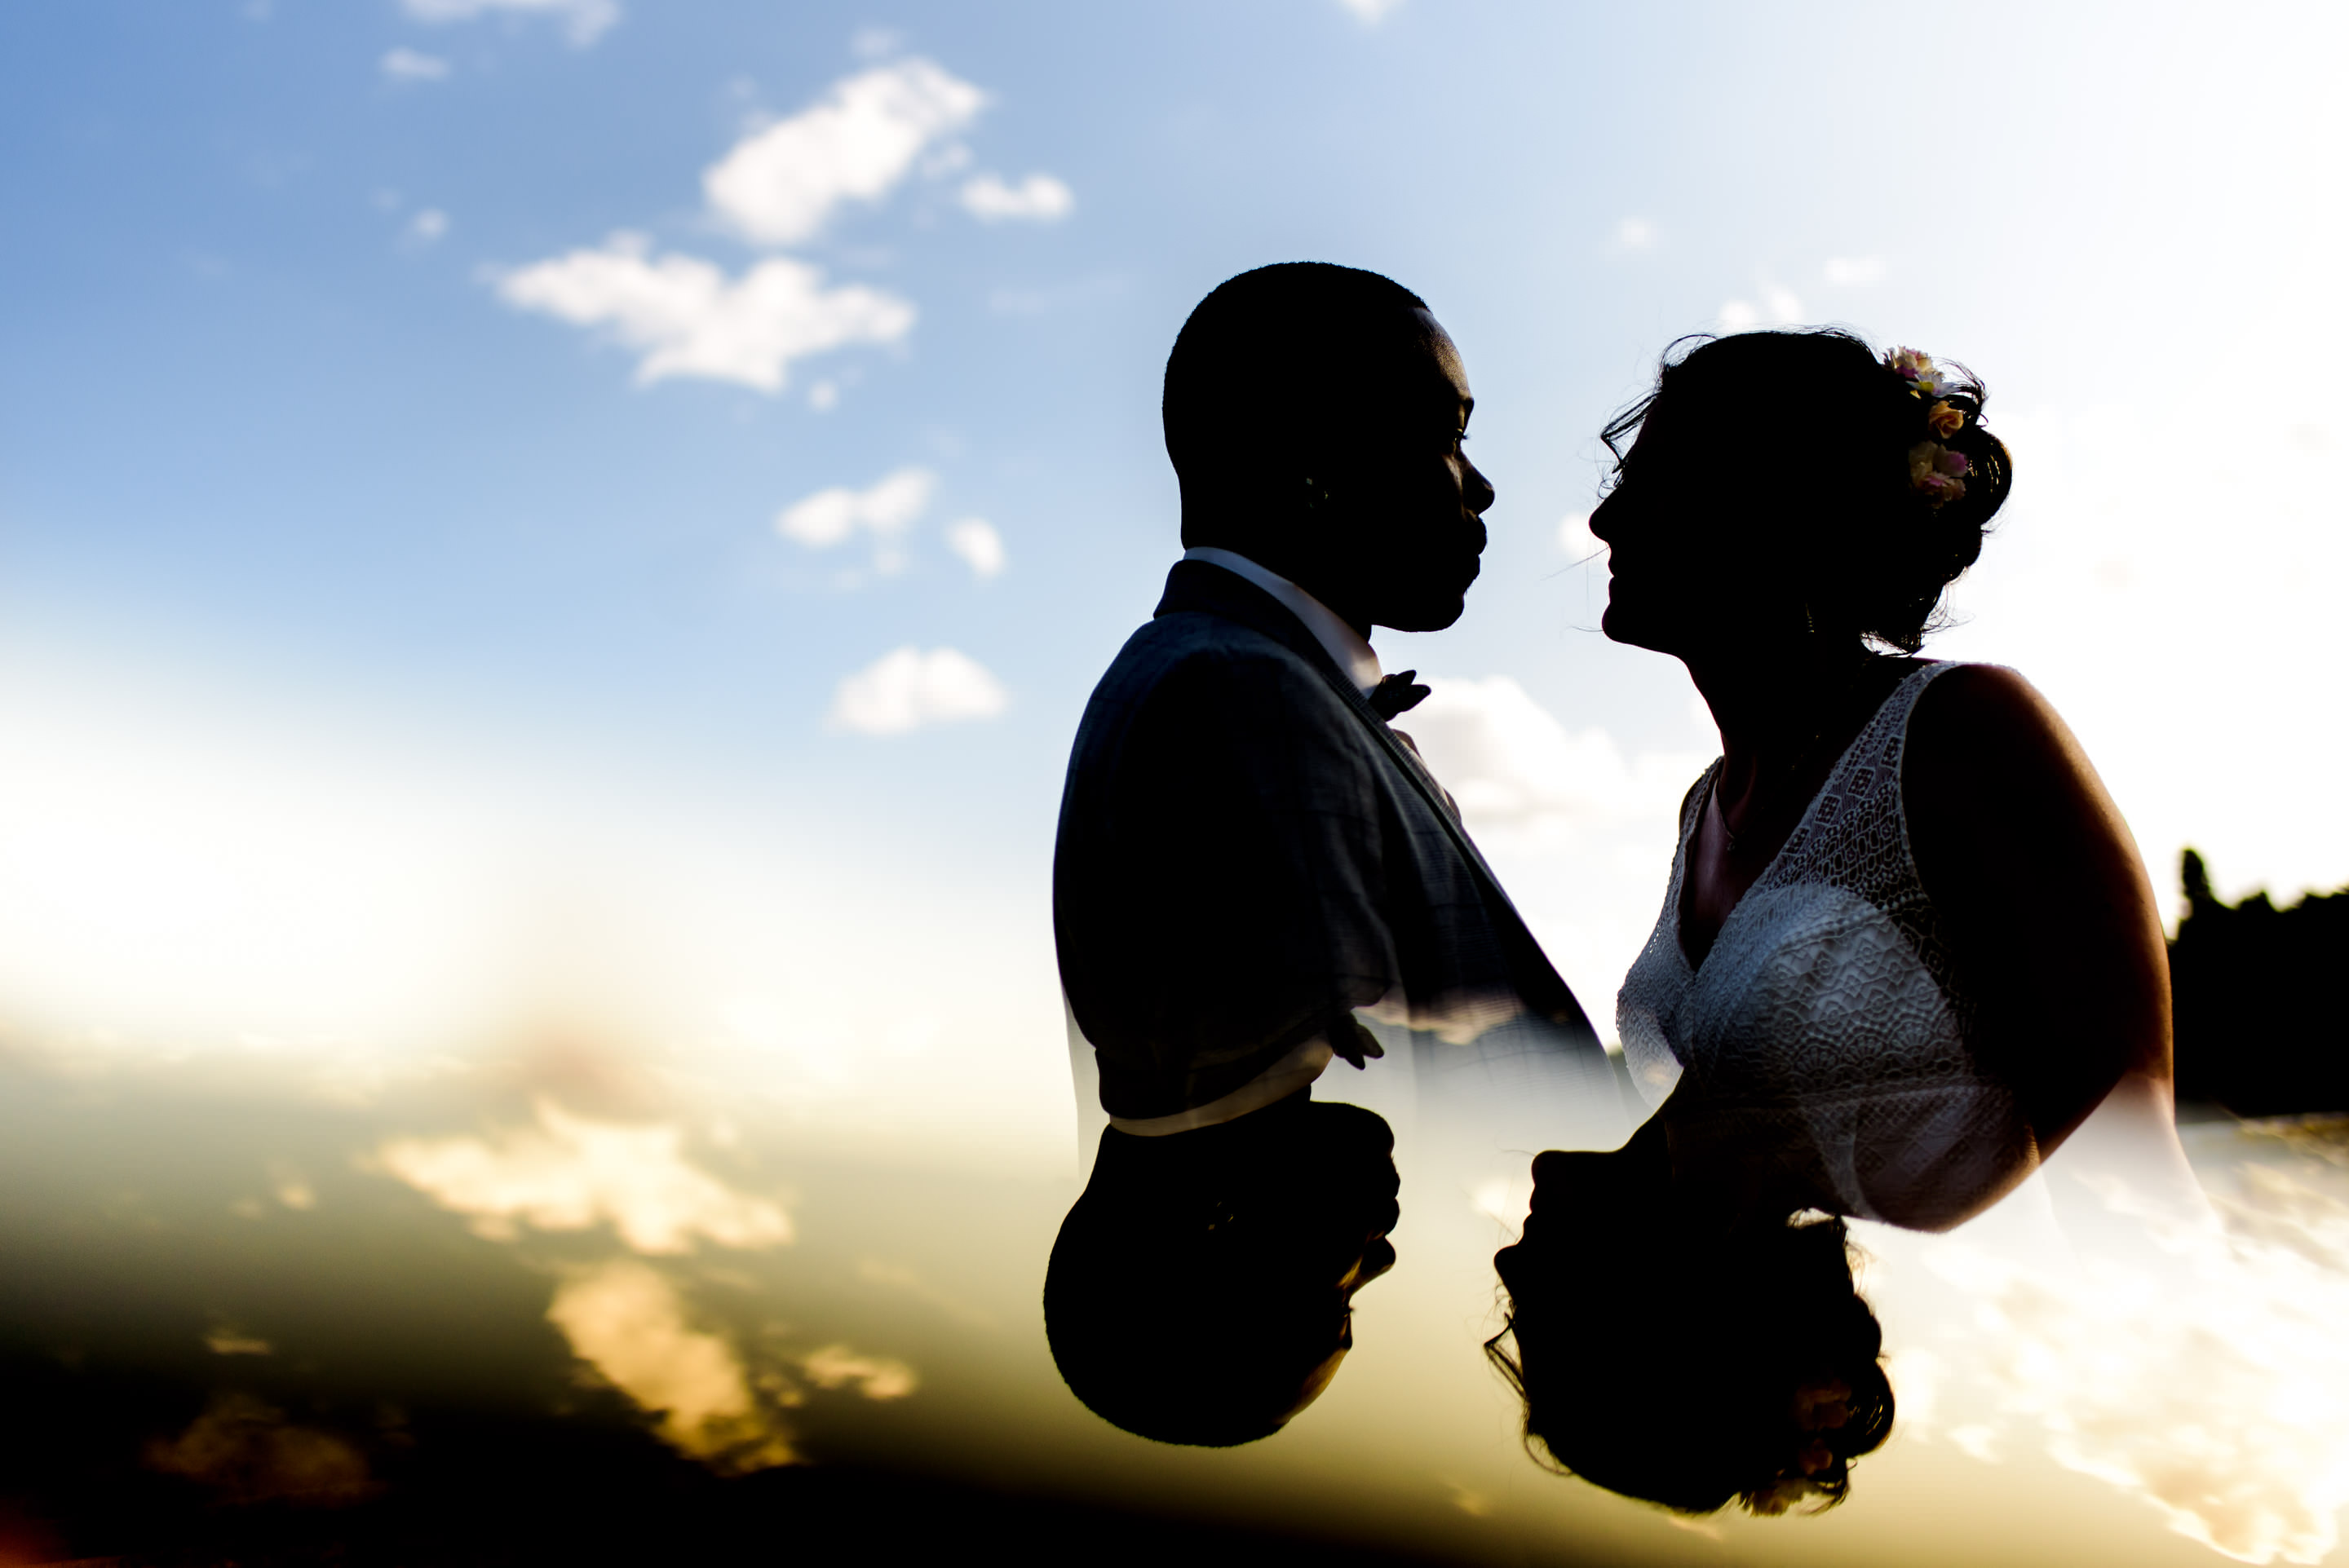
(1908, 945)
(1683, 1351)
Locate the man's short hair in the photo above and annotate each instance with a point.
(1305, 329)
(1194, 1285)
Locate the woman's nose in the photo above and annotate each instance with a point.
(1603, 519)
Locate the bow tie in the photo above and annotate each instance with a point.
(1396, 695)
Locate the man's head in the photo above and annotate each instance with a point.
(1315, 415)
(1201, 1290)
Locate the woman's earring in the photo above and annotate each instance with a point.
(1810, 627)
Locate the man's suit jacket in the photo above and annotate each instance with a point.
(1248, 854)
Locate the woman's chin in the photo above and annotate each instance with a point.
(1634, 630)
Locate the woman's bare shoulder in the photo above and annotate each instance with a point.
(1987, 722)
(1995, 785)
(1978, 695)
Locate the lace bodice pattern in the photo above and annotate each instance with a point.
(1827, 1028)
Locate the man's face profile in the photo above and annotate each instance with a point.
(1316, 416)
(1411, 536)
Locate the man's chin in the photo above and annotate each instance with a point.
(1422, 618)
(1427, 612)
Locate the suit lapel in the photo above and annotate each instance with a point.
(1204, 587)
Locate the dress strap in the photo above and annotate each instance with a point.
(1865, 782)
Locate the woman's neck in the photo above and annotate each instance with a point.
(1770, 703)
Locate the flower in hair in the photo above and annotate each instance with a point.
(1944, 422)
(1917, 369)
(1938, 473)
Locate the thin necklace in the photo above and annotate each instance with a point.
(1833, 707)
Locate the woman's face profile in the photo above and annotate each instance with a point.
(1687, 543)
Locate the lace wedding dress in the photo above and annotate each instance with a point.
(1825, 1035)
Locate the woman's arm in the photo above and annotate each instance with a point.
(2041, 894)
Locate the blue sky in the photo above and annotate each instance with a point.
(300, 494)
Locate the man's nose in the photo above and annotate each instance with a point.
(1481, 494)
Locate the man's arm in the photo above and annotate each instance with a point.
(1217, 889)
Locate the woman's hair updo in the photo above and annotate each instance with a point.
(1821, 424)
(1762, 1379)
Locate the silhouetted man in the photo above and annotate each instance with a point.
(1248, 854)
(1255, 873)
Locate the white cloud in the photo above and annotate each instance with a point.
(1580, 830)
(874, 43)
(690, 319)
(1513, 766)
(1040, 197)
(1778, 308)
(1370, 12)
(886, 510)
(568, 1173)
(908, 690)
(778, 186)
(952, 157)
(824, 396)
(411, 66)
(585, 20)
(1575, 538)
(428, 225)
(1634, 235)
(2071, 544)
(981, 548)
(1849, 269)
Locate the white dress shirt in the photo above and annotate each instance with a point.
(1343, 644)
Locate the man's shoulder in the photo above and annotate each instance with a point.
(1197, 650)
(1202, 684)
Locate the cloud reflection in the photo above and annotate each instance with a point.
(628, 1323)
(568, 1173)
(875, 1376)
(246, 1452)
(2207, 1376)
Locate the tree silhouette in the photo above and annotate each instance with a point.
(2258, 1030)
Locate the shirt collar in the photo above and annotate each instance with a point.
(1339, 640)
